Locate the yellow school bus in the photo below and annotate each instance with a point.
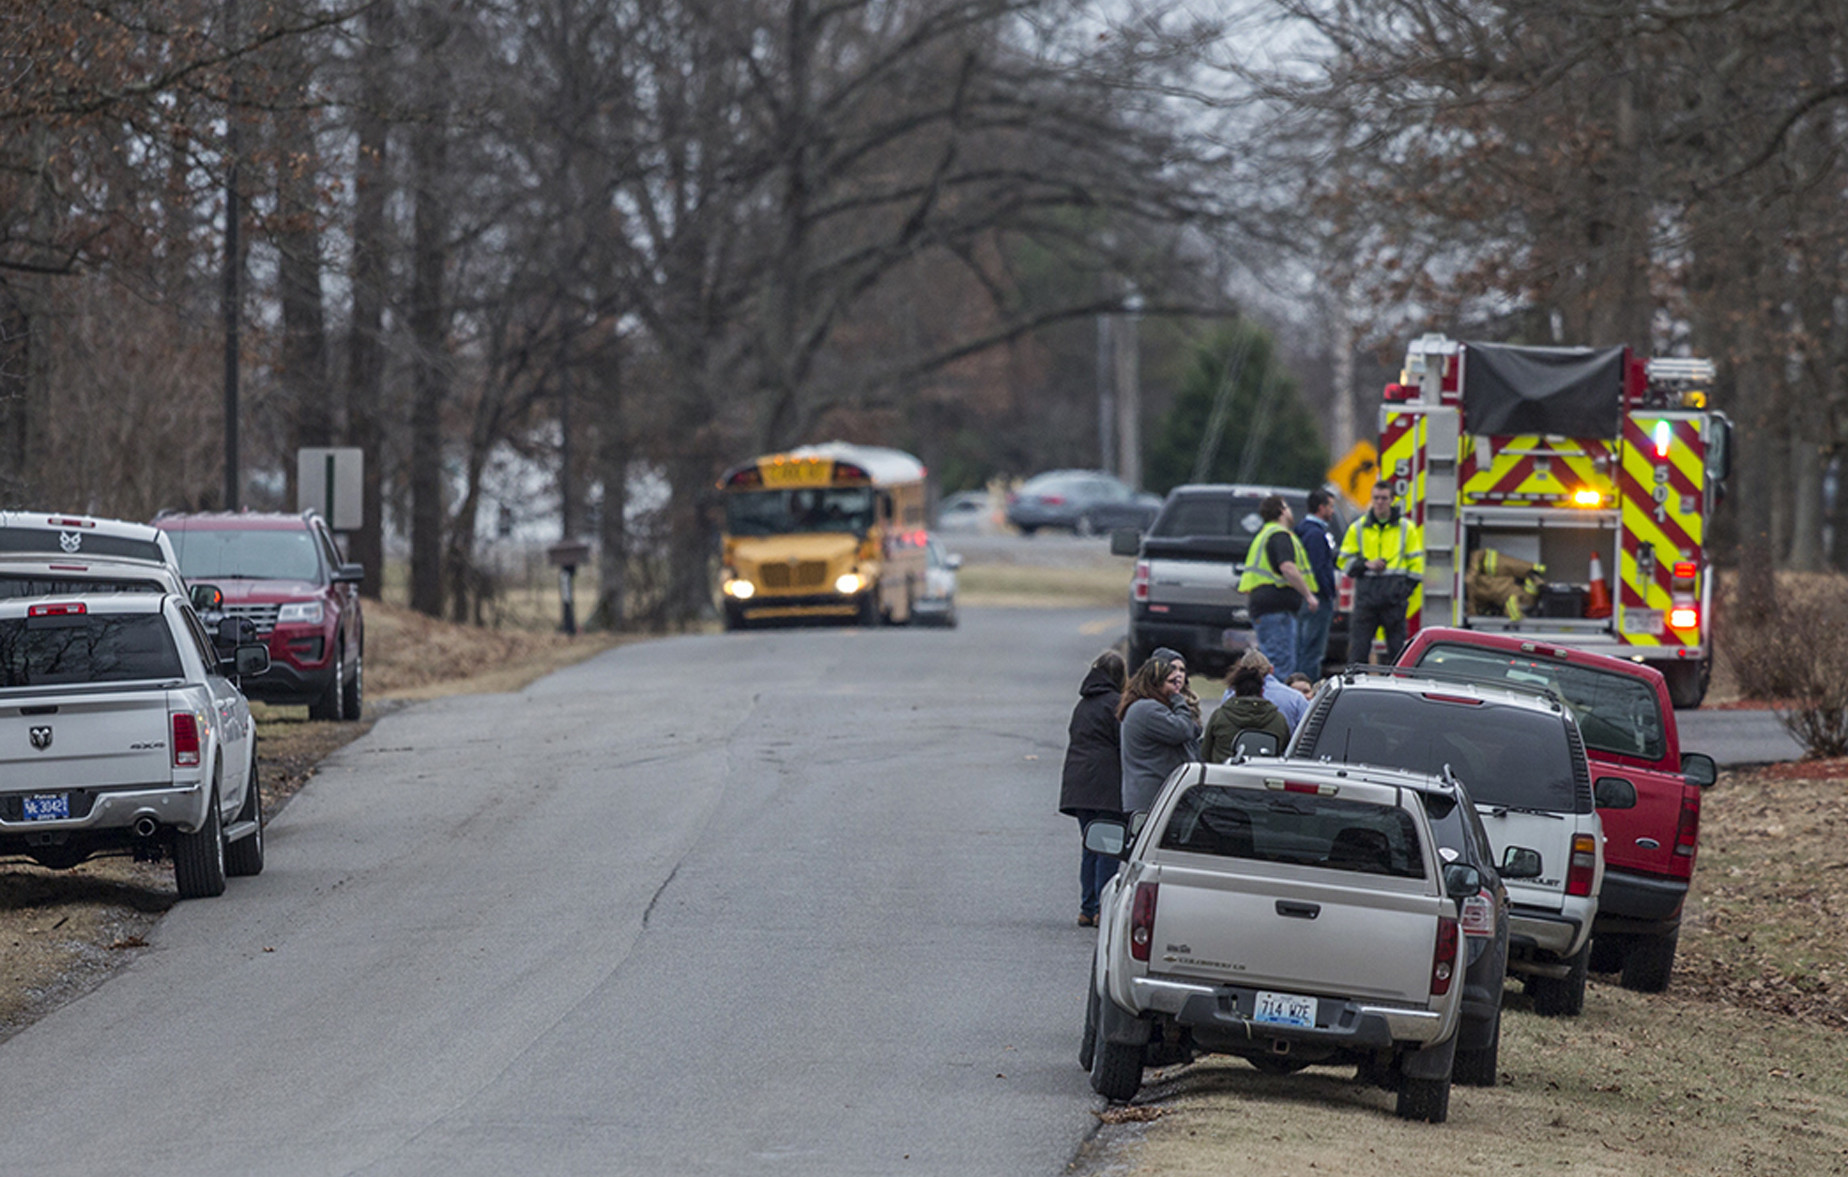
(834, 530)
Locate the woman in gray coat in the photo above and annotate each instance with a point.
(1159, 731)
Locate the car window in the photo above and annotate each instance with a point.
(1057, 484)
(75, 542)
(1506, 755)
(1216, 515)
(233, 554)
(86, 648)
(29, 585)
(1615, 712)
(201, 642)
(1301, 828)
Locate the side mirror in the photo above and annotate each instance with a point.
(349, 574)
(953, 561)
(1125, 541)
(1461, 880)
(1105, 837)
(1613, 792)
(206, 598)
(1699, 768)
(1256, 743)
(1518, 862)
(251, 658)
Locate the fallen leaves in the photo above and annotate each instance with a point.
(1132, 1114)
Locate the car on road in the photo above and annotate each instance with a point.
(1083, 502)
(1288, 912)
(1518, 751)
(968, 511)
(1647, 790)
(285, 575)
(122, 732)
(936, 604)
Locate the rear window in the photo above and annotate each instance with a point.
(86, 648)
(1511, 756)
(1615, 712)
(75, 543)
(1304, 829)
(45, 586)
(1227, 516)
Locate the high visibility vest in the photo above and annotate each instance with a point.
(1399, 544)
(1258, 570)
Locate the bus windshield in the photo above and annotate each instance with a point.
(847, 509)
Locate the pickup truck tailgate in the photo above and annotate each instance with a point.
(1286, 929)
(83, 740)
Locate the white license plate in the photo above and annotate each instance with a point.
(1647, 621)
(1284, 1009)
(47, 806)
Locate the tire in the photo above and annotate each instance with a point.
(734, 618)
(1116, 1070)
(1651, 959)
(353, 699)
(1687, 682)
(199, 859)
(869, 609)
(1424, 1099)
(244, 857)
(329, 705)
(1086, 526)
(1607, 953)
(1562, 997)
(1477, 1068)
(1028, 529)
(1087, 1045)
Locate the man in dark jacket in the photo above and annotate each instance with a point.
(1320, 544)
(1092, 786)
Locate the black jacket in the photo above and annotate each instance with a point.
(1093, 757)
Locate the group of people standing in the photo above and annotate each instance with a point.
(1129, 732)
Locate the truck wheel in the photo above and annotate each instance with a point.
(1557, 997)
(1651, 960)
(869, 608)
(1116, 1070)
(199, 859)
(328, 706)
(1087, 1045)
(1424, 1099)
(1608, 951)
(354, 697)
(244, 857)
(1687, 683)
(1477, 1068)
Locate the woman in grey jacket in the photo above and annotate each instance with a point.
(1159, 731)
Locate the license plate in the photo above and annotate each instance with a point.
(47, 806)
(1647, 621)
(1284, 1009)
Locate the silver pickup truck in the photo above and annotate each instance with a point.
(120, 733)
(1288, 912)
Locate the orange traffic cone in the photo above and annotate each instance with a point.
(1599, 603)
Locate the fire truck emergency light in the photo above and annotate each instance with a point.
(1664, 434)
(1587, 498)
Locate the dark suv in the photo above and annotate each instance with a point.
(284, 575)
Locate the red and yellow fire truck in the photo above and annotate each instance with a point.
(1600, 467)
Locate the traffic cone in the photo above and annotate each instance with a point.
(1599, 602)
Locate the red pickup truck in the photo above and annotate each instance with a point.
(1647, 790)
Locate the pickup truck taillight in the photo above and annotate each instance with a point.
(1687, 829)
(1583, 865)
(1142, 921)
(1139, 587)
(185, 739)
(1479, 915)
(1444, 956)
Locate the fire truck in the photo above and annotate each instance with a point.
(1597, 467)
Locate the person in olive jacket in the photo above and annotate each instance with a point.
(1093, 782)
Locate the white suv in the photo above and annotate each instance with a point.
(1520, 754)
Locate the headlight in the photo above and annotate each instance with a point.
(743, 590)
(304, 612)
(849, 583)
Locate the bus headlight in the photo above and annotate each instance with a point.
(849, 583)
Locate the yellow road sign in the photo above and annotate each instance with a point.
(1354, 474)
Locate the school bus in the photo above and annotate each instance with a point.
(834, 530)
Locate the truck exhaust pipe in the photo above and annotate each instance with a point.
(145, 826)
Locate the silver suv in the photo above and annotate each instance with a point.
(1520, 754)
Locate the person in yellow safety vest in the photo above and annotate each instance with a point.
(1384, 553)
(1277, 582)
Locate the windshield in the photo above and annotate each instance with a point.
(1301, 828)
(846, 509)
(247, 555)
(1506, 755)
(1616, 712)
(86, 648)
(1235, 516)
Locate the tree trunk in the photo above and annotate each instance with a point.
(427, 319)
(365, 342)
(612, 461)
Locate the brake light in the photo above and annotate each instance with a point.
(1463, 699)
(1142, 921)
(1302, 787)
(1053, 500)
(1139, 587)
(1587, 498)
(1583, 866)
(185, 739)
(1479, 915)
(1684, 617)
(1444, 956)
(55, 521)
(1685, 569)
(1687, 828)
(70, 610)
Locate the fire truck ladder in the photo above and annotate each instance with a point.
(1440, 518)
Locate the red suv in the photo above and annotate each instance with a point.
(1646, 789)
(285, 576)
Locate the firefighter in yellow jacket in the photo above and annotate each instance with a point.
(1384, 553)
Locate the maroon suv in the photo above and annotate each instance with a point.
(284, 575)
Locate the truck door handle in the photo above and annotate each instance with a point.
(1298, 911)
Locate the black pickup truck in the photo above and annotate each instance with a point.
(1184, 594)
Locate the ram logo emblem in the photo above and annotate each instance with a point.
(41, 737)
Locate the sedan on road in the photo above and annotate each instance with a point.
(1083, 502)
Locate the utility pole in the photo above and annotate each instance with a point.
(232, 292)
(1106, 399)
(1129, 392)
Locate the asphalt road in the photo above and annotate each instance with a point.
(784, 902)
